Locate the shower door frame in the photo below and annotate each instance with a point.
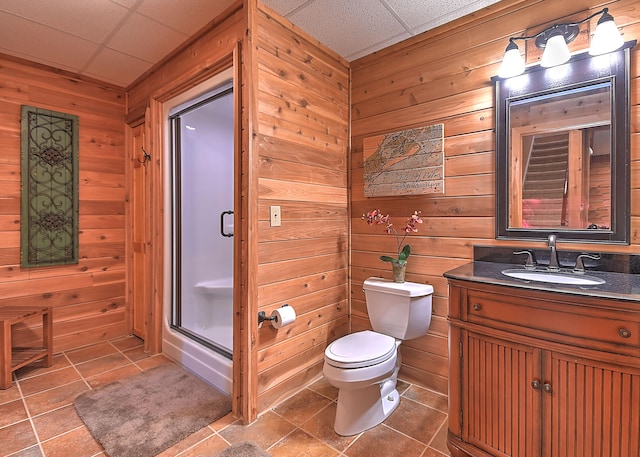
(245, 333)
(175, 121)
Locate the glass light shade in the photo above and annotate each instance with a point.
(606, 38)
(556, 52)
(512, 63)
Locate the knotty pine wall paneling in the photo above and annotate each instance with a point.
(88, 299)
(302, 142)
(444, 76)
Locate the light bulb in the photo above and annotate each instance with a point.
(512, 62)
(556, 52)
(606, 38)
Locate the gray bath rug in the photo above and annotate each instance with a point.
(145, 414)
(244, 449)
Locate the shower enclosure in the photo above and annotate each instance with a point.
(202, 142)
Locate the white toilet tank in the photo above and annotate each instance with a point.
(401, 310)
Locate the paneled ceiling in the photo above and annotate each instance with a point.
(116, 41)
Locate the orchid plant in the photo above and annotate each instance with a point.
(376, 217)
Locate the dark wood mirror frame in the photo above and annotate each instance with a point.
(582, 70)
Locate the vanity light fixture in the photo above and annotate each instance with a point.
(554, 40)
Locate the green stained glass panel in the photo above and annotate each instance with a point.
(49, 219)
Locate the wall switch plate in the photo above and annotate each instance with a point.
(275, 216)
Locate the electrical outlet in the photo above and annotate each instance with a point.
(275, 216)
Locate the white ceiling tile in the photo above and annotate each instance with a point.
(424, 15)
(116, 67)
(187, 16)
(91, 20)
(347, 27)
(388, 41)
(285, 7)
(146, 39)
(43, 44)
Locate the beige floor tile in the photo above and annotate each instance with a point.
(127, 342)
(188, 442)
(153, 361)
(102, 364)
(430, 452)
(416, 420)
(113, 375)
(210, 446)
(402, 386)
(91, 352)
(300, 443)
(33, 451)
(79, 439)
(49, 400)
(10, 394)
(302, 406)
(57, 422)
(267, 430)
(12, 412)
(46, 381)
(384, 441)
(16, 437)
(323, 387)
(136, 354)
(38, 367)
(428, 397)
(223, 422)
(321, 426)
(439, 442)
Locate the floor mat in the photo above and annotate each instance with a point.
(147, 413)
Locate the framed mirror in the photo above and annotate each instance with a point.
(563, 151)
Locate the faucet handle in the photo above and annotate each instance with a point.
(530, 264)
(579, 268)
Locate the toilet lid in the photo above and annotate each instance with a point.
(360, 349)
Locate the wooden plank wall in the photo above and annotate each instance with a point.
(88, 298)
(302, 127)
(443, 76)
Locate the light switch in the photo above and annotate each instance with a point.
(275, 216)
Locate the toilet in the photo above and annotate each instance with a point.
(364, 365)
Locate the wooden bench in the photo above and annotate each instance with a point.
(12, 358)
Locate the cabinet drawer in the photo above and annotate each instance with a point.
(617, 327)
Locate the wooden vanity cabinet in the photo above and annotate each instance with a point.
(542, 374)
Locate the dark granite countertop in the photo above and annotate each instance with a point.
(619, 286)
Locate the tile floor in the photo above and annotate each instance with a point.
(37, 417)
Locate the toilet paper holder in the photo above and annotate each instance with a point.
(262, 316)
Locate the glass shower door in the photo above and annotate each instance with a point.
(203, 173)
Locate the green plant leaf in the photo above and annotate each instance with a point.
(404, 254)
(386, 258)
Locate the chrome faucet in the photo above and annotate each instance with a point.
(553, 259)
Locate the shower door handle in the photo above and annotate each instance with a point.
(222, 215)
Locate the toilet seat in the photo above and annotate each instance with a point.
(361, 349)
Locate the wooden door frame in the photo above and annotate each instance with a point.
(244, 395)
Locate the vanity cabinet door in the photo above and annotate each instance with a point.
(592, 408)
(501, 410)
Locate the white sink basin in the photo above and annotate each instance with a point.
(554, 277)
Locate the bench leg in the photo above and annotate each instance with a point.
(5, 355)
(47, 337)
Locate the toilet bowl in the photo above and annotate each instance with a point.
(364, 365)
(367, 383)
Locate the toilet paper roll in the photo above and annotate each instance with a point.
(282, 316)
